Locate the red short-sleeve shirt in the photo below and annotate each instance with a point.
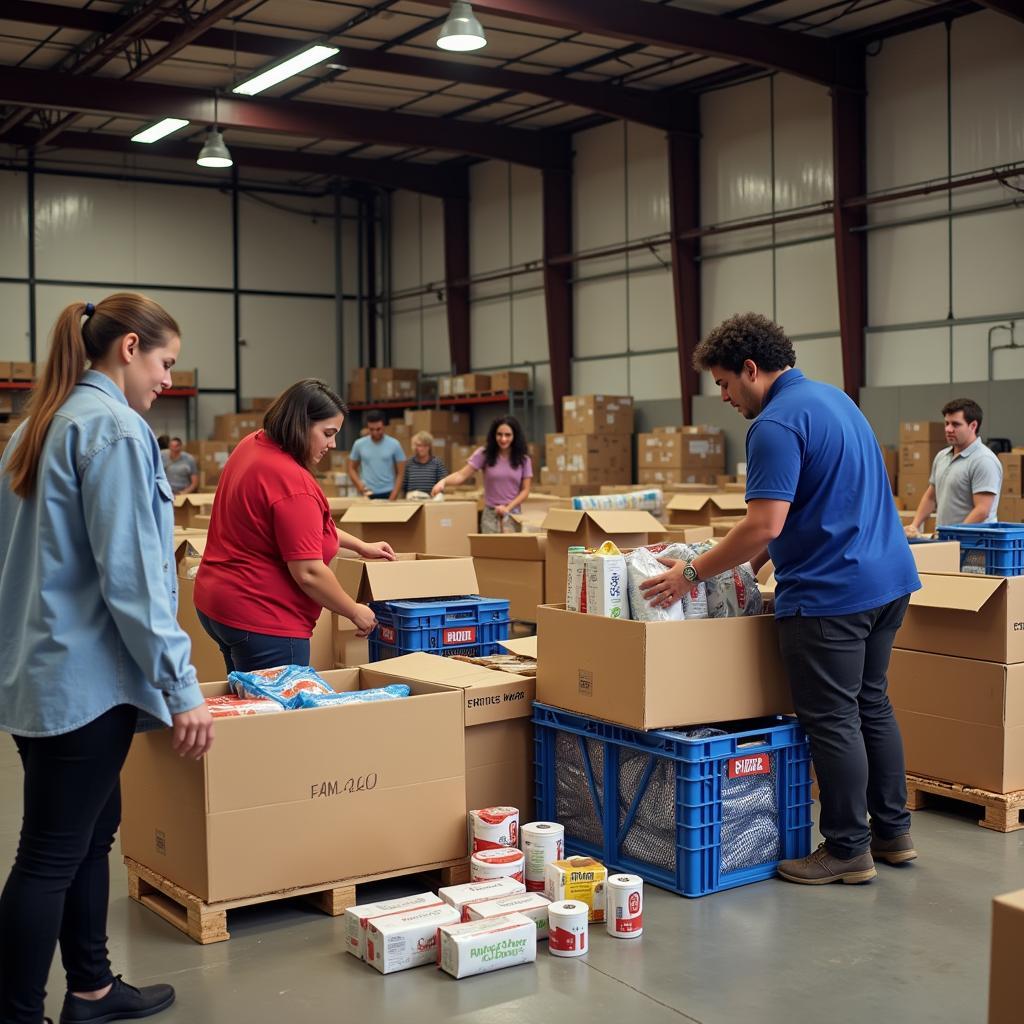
(269, 511)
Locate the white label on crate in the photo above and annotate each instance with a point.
(755, 764)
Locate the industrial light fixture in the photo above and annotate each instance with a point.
(214, 153)
(159, 130)
(461, 32)
(286, 69)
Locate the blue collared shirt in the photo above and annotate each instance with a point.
(88, 584)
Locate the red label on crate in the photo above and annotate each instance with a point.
(459, 635)
(388, 635)
(753, 764)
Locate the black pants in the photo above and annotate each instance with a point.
(59, 886)
(837, 674)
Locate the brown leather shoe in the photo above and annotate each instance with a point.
(893, 851)
(820, 868)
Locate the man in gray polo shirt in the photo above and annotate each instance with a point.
(966, 477)
(181, 469)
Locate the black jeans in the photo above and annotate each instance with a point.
(837, 674)
(245, 652)
(60, 883)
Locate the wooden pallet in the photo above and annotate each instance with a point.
(208, 922)
(1004, 812)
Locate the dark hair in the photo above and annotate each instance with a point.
(742, 337)
(968, 406)
(72, 345)
(293, 412)
(178, 439)
(517, 453)
(163, 442)
(375, 416)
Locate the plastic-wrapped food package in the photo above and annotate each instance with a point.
(734, 593)
(642, 564)
(230, 706)
(695, 600)
(285, 684)
(329, 700)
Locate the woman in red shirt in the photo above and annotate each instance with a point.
(265, 574)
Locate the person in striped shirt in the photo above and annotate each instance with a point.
(424, 469)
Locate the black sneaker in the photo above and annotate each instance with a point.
(122, 1002)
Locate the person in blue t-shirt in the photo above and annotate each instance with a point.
(376, 462)
(819, 505)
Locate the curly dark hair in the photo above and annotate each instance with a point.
(742, 337)
(969, 407)
(517, 453)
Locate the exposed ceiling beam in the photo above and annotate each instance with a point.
(428, 179)
(111, 96)
(798, 54)
(615, 101)
(1011, 8)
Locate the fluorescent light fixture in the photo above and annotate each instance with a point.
(461, 32)
(214, 153)
(278, 73)
(159, 130)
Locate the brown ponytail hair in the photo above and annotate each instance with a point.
(73, 344)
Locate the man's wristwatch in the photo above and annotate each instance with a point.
(690, 574)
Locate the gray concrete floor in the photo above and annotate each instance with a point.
(911, 947)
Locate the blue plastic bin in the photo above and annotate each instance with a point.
(468, 625)
(682, 813)
(989, 549)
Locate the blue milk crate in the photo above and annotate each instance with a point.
(682, 813)
(381, 652)
(468, 625)
(989, 549)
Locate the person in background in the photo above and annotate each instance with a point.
(507, 471)
(966, 477)
(265, 575)
(424, 469)
(180, 467)
(376, 461)
(91, 645)
(819, 504)
(163, 442)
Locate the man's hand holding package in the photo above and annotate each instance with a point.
(663, 591)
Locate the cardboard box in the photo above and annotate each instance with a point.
(511, 565)
(700, 509)
(386, 374)
(912, 488)
(913, 431)
(597, 414)
(683, 535)
(966, 616)
(891, 458)
(916, 459)
(23, 371)
(351, 791)
(1012, 465)
(438, 422)
(936, 556)
(357, 918)
(188, 506)
(962, 720)
(657, 675)
(701, 451)
(5, 369)
(183, 378)
(927, 527)
(1007, 943)
(568, 527)
(358, 391)
(436, 528)
(1011, 509)
(397, 942)
(590, 454)
(510, 380)
(210, 456)
(464, 384)
(236, 425)
(664, 477)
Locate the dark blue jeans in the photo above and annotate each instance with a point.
(246, 651)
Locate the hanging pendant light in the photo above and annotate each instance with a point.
(461, 32)
(214, 153)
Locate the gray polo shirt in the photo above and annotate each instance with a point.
(179, 471)
(957, 478)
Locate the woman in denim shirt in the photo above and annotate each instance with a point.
(90, 645)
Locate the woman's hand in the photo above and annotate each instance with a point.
(663, 591)
(193, 732)
(364, 620)
(379, 549)
(501, 510)
(437, 489)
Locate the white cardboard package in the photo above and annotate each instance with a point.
(529, 904)
(478, 947)
(458, 896)
(357, 918)
(397, 942)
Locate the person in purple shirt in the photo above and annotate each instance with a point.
(507, 471)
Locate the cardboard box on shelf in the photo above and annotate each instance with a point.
(1011, 509)
(511, 565)
(259, 404)
(464, 384)
(567, 527)
(891, 458)
(210, 456)
(916, 459)
(966, 616)
(510, 380)
(359, 782)
(597, 414)
(1004, 972)
(439, 422)
(700, 451)
(233, 426)
(912, 488)
(936, 556)
(700, 509)
(590, 454)
(383, 374)
(358, 391)
(913, 431)
(584, 481)
(1012, 464)
(962, 720)
(23, 371)
(183, 378)
(436, 528)
(630, 673)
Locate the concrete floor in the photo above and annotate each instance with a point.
(911, 947)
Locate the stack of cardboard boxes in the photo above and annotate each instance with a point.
(680, 455)
(383, 384)
(596, 446)
(210, 457)
(920, 442)
(448, 427)
(1011, 500)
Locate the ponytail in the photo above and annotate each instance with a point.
(72, 346)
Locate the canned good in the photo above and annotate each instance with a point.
(542, 842)
(486, 865)
(567, 928)
(493, 828)
(624, 913)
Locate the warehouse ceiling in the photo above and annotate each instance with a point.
(390, 108)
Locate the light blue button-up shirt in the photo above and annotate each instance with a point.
(88, 584)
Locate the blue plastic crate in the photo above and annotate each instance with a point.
(381, 652)
(989, 549)
(677, 811)
(437, 624)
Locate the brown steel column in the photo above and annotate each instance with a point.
(558, 282)
(372, 298)
(684, 193)
(456, 276)
(850, 181)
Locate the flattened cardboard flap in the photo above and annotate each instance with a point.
(525, 646)
(380, 512)
(689, 502)
(956, 592)
(409, 577)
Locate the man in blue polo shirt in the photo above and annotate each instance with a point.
(819, 505)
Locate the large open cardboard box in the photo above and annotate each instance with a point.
(188, 506)
(962, 720)
(511, 565)
(435, 528)
(700, 509)
(1007, 942)
(966, 616)
(303, 797)
(656, 675)
(568, 527)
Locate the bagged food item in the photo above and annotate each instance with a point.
(230, 706)
(576, 580)
(641, 565)
(606, 583)
(695, 600)
(329, 700)
(734, 593)
(649, 500)
(285, 684)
